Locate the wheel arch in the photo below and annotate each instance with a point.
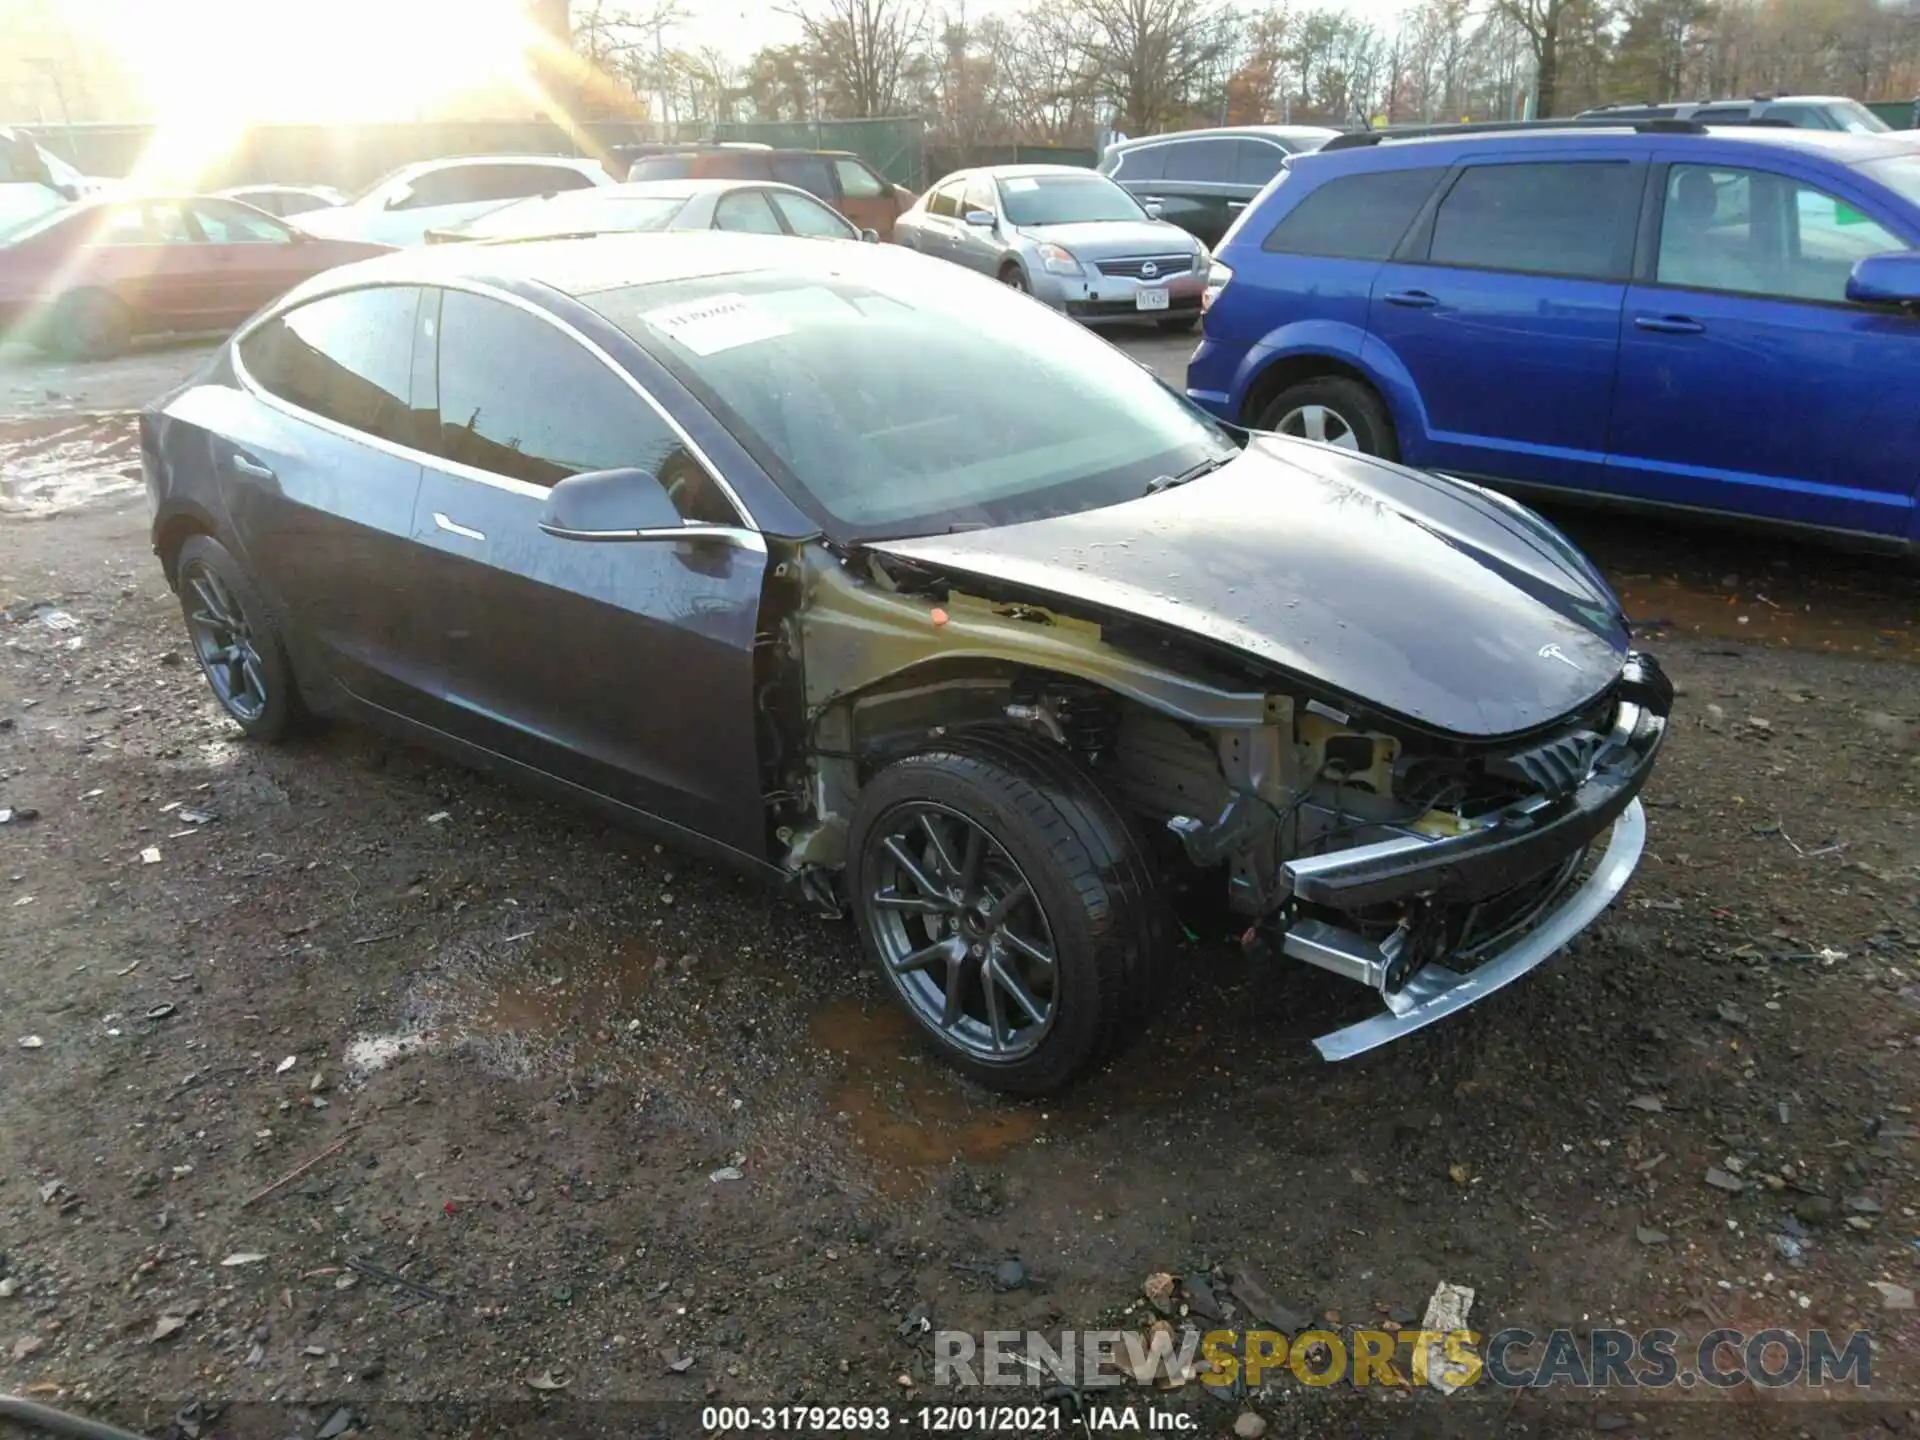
(1304, 352)
(172, 530)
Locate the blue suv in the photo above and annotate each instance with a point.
(1651, 314)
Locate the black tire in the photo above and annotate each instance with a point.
(88, 325)
(1355, 405)
(1178, 324)
(215, 587)
(1014, 278)
(1091, 881)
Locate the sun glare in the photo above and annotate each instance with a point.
(207, 69)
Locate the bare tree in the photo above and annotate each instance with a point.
(865, 52)
(1148, 57)
(1548, 26)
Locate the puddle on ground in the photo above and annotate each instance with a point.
(907, 1116)
(57, 464)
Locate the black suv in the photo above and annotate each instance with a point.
(1802, 112)
(1202, 179)
(839, 177)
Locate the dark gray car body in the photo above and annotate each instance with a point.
(732, 678)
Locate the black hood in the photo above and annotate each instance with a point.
(1418, 596)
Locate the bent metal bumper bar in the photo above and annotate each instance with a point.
(1435, 992)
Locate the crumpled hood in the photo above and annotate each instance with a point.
(1422, 597)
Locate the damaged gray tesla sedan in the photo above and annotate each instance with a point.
(849, 567)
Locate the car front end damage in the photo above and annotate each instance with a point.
(1431, 868)
(1432, 879)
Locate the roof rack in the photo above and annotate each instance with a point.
(1356, 139)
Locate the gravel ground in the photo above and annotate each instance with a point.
(515, 1048)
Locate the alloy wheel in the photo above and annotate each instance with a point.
(961, 932)
(1319, 422)
(223, 639)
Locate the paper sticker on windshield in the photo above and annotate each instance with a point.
(723, 322)
(1845, 214)
(1021, 183)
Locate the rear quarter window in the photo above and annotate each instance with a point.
(1354, 217)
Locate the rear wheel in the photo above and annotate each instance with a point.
(1333, 410)
(1010, 908)
(236, 641)
(88, 325)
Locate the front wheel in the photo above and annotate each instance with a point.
(1333, 410)
(1014, 278)
(1009, 906)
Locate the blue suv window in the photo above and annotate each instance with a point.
(1555, 218)
(1355, 217)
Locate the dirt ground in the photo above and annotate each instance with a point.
(521, 1053)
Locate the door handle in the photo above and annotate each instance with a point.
(252, 468)
(1668, 324)
(1411, 299)
(454, 527)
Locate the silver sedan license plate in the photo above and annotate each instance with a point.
(1150, 300)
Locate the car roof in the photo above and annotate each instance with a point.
(454, 162)
(580, 267)
(1281, 132)
(1846, 148)
(1019, 172)
(682, 189)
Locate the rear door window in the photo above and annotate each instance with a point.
(811, 173)
(1354, 217)
(347, 358)
(1256, 161)
(661, 167)
(1148, 162)
(1208, 162)
(1568, 218)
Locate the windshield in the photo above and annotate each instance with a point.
(573, 211)
(1063, 199)
(900, 403)
(1857, 118)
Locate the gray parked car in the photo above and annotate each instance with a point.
(1070, 238)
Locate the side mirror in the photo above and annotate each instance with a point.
(611, 505)
(983, 219)
(1890, 279)
(872, 237)
(1154, 209)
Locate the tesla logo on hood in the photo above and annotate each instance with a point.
(1554, 652)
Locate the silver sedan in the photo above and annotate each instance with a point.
(1071, 238)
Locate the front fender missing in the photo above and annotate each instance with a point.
(856, 636)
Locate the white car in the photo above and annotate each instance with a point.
(33, 180)
(431, 194)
